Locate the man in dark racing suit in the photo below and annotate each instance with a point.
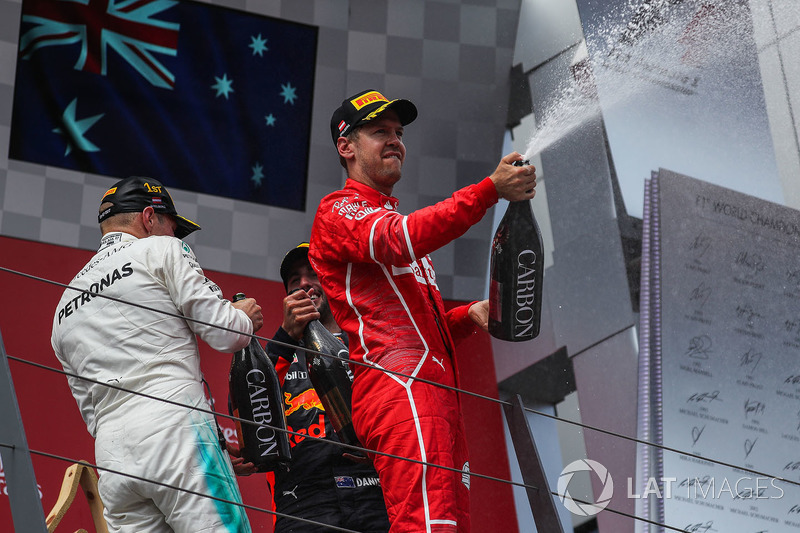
(324, 482)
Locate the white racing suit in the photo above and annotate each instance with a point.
(150, 352)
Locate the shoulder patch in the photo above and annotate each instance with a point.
(352, 209)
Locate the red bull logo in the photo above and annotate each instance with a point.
(313, 430)
(307, 400)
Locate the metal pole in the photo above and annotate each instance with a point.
(543, 507)
(23, 494)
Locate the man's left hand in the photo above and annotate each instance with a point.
(479, 313)
(240, 468)
(357, 458)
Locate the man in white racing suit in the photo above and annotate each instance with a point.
(150, 348)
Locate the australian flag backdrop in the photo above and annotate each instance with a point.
(201, 97)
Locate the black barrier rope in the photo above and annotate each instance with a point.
(265, 339)
(421, 380)
(261, 424)
(181, 489)
(562, 497)
(447, 387)
(662, 447)
(553, 493)
(260, 509)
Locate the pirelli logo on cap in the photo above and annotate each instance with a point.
(112, 190)
(366, 99)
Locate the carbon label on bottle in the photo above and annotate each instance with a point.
(262, 413)
(524, 312)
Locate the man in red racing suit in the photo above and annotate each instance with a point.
(374, 266)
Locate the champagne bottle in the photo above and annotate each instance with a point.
(331, 379)
(255, 395)
(517, 268)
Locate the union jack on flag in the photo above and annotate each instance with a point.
(198, 96)
(126, 26)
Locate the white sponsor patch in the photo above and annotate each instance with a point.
(415, 269)
(353, 209)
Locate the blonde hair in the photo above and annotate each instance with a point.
(120, 220)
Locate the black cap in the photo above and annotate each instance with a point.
(292, 256)
(134, 193)
(365, 106)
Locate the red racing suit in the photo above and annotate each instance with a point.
(374, 266)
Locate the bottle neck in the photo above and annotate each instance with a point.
(519, 209)
(329, 323)
(521, 204)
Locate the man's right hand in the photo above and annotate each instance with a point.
(253, 310)
(240, 468)
(514, 183)
(298, 311)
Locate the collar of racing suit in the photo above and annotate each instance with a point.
(372, 195)
(114, 237)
